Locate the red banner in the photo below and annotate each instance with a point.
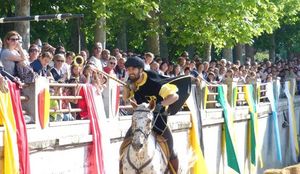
(95, 156)
(21, 130)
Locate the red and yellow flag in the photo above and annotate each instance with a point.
(42, 88)
(22, 140)
(11, 156)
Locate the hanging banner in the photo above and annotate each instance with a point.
(194, 137)
(289, 90)
(10, 150)
(43, 98)
(252, 146)
(273, 91)
(21, 129)
(227, 138)
(95, 156)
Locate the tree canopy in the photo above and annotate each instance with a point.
(222, 23)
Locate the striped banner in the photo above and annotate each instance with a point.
(205, 97)
(43, 98)
(20, 128)
(7, 119)
(228, 136)
(273, 91)
(289, 90)
(194, 137)
(253, 128)
(95, 156)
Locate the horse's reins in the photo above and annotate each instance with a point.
(138, 170)
(139, 130)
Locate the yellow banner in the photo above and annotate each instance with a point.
(11, 155)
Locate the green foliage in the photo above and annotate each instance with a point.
(223, 23)
(287, 36)
(261, 56)
(184, 23)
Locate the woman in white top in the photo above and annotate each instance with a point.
(12, 52)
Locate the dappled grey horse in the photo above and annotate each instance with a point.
(144, 154)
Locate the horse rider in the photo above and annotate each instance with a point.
(148, 85)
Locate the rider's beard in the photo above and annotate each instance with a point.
(134, 77)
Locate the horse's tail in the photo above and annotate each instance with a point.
(187, 161)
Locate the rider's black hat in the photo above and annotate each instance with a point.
(135, 62)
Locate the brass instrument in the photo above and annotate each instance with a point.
(78, 60)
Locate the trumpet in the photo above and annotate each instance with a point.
(78, 60)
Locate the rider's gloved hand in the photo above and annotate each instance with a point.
(161, 109)
(158, 108)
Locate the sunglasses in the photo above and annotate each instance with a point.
(59, 60)
(14, 39)
(112, 63)
(33, 50)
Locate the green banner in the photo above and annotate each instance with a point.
(230, 150)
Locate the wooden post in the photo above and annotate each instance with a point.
(231, 84)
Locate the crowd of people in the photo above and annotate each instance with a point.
(62, 66)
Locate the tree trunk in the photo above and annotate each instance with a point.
(122, 38)
(207, 53)
(272, 53)
(164, 51)
(100, 34)
(227, 54)
(250, 51)
(23, 28)
(153, 43)
(238, 53)
(163, 42)
(76, 40)
(191, 50)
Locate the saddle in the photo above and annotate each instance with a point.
(159, 139)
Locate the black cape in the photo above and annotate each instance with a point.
(184, 85)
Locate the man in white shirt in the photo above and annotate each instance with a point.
(148, 60)
(96, 57)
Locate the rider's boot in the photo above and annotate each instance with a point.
(174, 162)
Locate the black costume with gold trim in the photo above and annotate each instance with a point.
(157, 87)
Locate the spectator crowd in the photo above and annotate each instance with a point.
(62, 66)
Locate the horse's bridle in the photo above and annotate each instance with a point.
(140, 130)
(139, 170)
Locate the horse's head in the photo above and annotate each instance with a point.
(141, 123)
